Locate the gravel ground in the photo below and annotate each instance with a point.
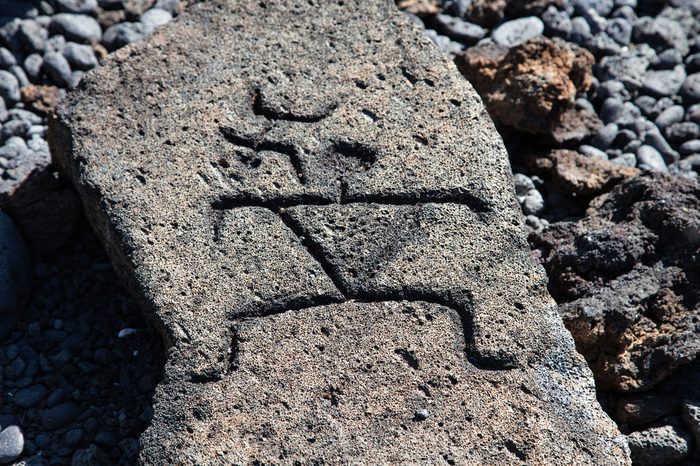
(646, 84)
(79, 363)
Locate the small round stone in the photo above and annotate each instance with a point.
(75, 27)
(9, 87)
(663, 83)
(517, 31)
(122, 34)
(157, 17)
(650, 159)
(691, 89)
(80, 56)
(658, 445)
(11, 444)
(59, 416)
(57, 68)
(30, 396)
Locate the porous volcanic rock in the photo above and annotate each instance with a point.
(531, 85)
(627, 277)
(575, 174)
(316, 210)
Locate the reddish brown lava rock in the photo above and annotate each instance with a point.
(573, 173)
(486, 13)
(420, 7)
(528, 86)
(41, 99)
(627, 280)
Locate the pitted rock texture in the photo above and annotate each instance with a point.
(627, 278)
(531, 86)
(316, 210)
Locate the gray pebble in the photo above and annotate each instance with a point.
(612, 88)
(156, 17)
(596, 22)
(11, 444)
(533, 203)
(122, 34)
(56, 43)
(646, 104)
(74, 437)
(605, 137)
(75, 27)
(8, 34)
(661, 105)
(21, 76)
(523, 184)
(517, 31)
(628, 69)
(654, 138)
(32, 65)
(663, 83)
(9, 87)
(583, 104)
(32, 36)
(690, 147)
(616, 111)
(650, 159)
(57, 68)
(678, 133)
(590, 151)
(625, 12)
(669, 116)
(602, 45)
(627, 159)
(59, 416)
(455, 28)
(77, 6)
(667, 59)
(30, 396)
(580, 30)
(556, 23)
(444, 43)
(57, 396)
(174, 7)
(620, 30)
(80, 56)
(661, 33)
(690, 91)
(658, 445)
(602, 7)
(6, 58)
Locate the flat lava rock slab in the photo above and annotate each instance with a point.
(259, 171)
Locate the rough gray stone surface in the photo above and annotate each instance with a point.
(317, 212)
